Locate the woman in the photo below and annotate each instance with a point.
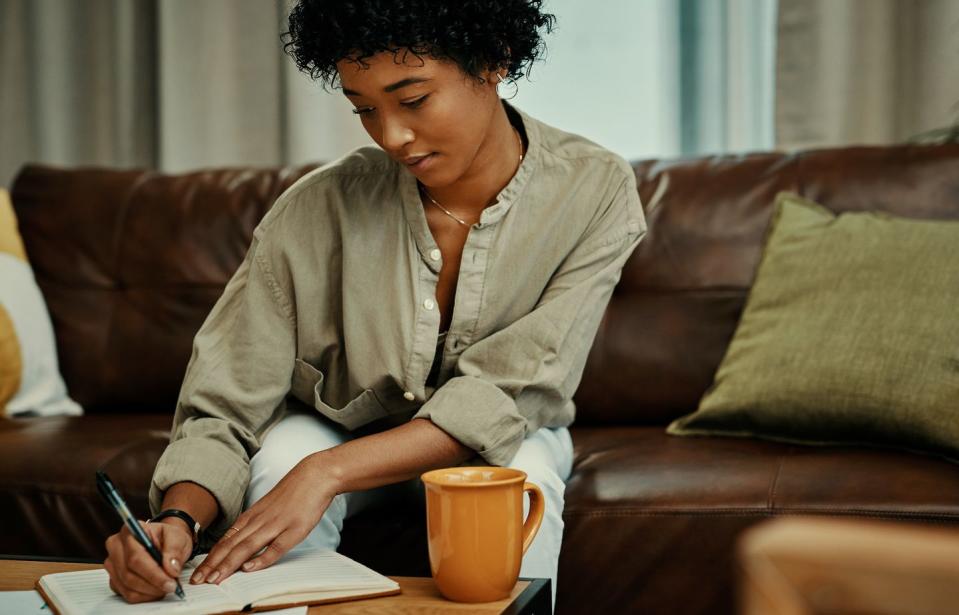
(424, 304)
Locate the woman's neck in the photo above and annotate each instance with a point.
(494, 166)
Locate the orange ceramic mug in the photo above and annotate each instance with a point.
(475, 529)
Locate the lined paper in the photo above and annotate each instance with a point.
(306, 571)
(88, 592)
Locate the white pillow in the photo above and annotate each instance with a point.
(30, 381)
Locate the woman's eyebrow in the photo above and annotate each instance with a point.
(393, 86)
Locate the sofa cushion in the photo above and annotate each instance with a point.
(147, 257)
(47, 485)
(30, 381)
(849, 335)
(649, 516)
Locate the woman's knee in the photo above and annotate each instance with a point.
(552, 487)
(542, 464)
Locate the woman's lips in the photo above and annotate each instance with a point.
(423, 162)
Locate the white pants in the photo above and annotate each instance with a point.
(545, 455)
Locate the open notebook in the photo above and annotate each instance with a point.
(306, 577)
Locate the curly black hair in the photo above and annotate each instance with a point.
(475, 34)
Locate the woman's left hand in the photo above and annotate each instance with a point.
(279, 521)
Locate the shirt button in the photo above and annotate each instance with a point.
(435, 254)
(409, 396)
(429, 304)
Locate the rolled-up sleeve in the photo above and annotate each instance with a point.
(516, 380)
(238, 374)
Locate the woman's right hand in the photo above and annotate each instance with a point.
(134, 575)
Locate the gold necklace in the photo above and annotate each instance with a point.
(448, 212)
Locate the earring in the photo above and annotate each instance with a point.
(499, 77)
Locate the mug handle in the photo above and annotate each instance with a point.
(537, 506)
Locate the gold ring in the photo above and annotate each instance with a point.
(234, 528)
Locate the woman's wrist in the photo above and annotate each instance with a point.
(329, 476)
(194, 500)
(177, 522)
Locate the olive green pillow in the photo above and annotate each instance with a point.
(850, 335)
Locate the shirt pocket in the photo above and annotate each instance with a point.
(307, 386)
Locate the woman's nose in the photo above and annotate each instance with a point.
(396, 135)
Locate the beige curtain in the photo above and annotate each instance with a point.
(865, 71)
(726, 71)
(76, 83)
(166, 84)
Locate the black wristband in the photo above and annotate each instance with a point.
(190, 523)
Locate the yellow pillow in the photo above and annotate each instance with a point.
(10, 361)
(30, 381)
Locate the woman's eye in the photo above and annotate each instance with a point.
(416, 103)
(412, 105)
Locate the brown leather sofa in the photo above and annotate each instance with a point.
(130, 262)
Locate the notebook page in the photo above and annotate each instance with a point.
(305, 571)
(88, 592)
(23, 603)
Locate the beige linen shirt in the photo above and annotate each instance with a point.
(334, 309)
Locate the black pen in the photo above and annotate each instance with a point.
(110, 493)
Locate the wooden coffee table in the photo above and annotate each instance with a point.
(419, 594)
(816, 565)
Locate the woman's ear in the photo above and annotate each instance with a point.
(498, 74)
(492, 76)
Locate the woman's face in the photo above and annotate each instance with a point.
(422, 107)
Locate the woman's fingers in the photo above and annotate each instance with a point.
(247, 546)
(115, 583)
(210, 569)
(134, 582)
(274, 551)
(130, 586)
(175, 542)
(148, 576)
(280, 520)
(119, 588)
